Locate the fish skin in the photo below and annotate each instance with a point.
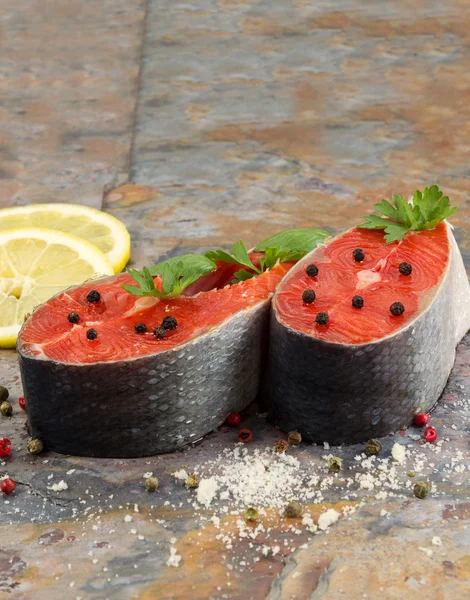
(141, 406)
(343, 393)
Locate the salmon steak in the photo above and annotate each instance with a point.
(363, 333)
(128, 391)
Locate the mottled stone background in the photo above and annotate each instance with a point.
(198, 123)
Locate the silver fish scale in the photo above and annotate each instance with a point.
(148, 405)
(349, 393)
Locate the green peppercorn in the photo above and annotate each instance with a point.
(3, 393)
(281, 446)
(193, 480)
(411, 473)
(293, 510)
(334, 464)
(6, 409)
(421, 489)
(373, 447)
(35, 446)
(151, 484)
(294, 438)
(251, 515)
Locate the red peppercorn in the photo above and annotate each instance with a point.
(234, 419)
(22, 403)
(421, 419)
(245, 435)
(5, 447)
(7, 486)
(430, 434)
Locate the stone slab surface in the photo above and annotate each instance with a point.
(248, 116)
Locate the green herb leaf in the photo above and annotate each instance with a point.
(297, 242)
(242, 276)
(428, 209)
(177, 274)
(237, 254)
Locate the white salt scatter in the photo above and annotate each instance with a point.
(58, 487)
(174, 559)
(436, 540)
(384, 513)
(207, 490)
(327, 518)
(173, 541)
(147, 475)
(398, 453)
(326, 445)
(182, 475)
(71, 471)
(136, 508)
(128, 518)
(426, 551)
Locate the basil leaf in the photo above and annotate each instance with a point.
(299, 242)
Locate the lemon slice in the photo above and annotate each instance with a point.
(37, 263)
(97, 227)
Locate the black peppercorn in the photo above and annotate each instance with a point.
(358, 254)
(93, 296)
(140, 328)
(322, 318)
(397, 309)
(91, 334)
(312, 270)
(73, 317)
(357, 301)
(169, 323)
(308, 296)
(405, 268)
(159, 333)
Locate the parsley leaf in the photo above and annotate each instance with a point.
(428, 209)
(295, 242)
(237, 254)
(177, 274)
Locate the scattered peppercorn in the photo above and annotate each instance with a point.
(322, 318)
(405, 268)
(169, 323)
(294, 438)
(357, 301)
(312, 270)
(373, 447)
(411, 473)
(251, 515)
(421, 489)
(234, 419)
(358, 254)
(308, 296)
(151, 484)
(140, 328)
(159, 333)
(397, 309)
(8, 486)
(245, 435)
(193, 481)
(35, 446)
(22, 403)
(93, 296)
(4, 393)
(281, 446)
(91, 334)
(334, 464)
(6, 409)
(421, 419)
(430, 434)
(5, 447)
(73, 317)
(293, 510)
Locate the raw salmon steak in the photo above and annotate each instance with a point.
(125, 393)
(377, 343)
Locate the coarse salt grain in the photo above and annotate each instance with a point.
(398, 453)
(207, 490)
(327, 518)
(58, 487)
